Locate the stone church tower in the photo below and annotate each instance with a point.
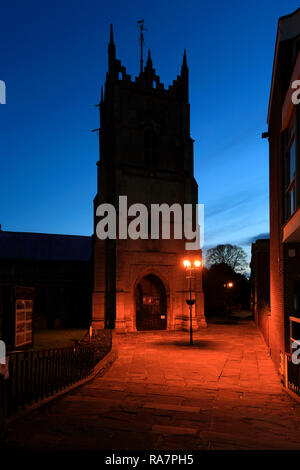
(146, 153)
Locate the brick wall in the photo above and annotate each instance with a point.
(260, 285)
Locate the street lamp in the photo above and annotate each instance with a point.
(228, 292)
(229, 285)
(190, 268)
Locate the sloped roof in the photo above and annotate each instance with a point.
(42, 246)
(288, 28)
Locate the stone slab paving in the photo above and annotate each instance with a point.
(163, 394)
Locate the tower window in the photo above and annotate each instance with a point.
(151, 148)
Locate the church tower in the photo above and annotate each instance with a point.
(146, 154)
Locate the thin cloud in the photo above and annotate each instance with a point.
(250, 240)
(251, 132)
(232, 201)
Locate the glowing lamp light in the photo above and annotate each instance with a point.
(230, 284)
(187, 263)
(197, 264)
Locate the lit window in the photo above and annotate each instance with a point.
(23, 322)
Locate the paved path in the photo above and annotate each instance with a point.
(222, 393)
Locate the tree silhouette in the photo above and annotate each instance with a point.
(232, 255)
(218, 298)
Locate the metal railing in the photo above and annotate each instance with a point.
(35, 375)
(3, 402)
(292, 375)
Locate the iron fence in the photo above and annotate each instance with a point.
(3, 403)
(292, 375)
(35, 375)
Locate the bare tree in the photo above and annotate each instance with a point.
(232, 255)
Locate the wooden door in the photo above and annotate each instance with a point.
(151, 304)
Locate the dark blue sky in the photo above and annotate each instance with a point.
(54, 60)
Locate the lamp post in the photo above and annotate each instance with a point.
(228, 296)
(190, 268)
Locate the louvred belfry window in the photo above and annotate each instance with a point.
(151, 148)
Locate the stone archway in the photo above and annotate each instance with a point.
(151, 304)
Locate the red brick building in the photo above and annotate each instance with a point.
(284, 148)
(146, 153)
(58, 268)
(260, 285)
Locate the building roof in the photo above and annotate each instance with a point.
(261, 244)
(288, 28)
(43, 246)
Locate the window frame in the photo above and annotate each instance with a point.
(289, 180)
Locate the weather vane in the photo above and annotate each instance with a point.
(140, 25)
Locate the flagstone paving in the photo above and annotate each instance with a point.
(163, 394)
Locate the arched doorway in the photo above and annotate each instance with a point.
(151, 304)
